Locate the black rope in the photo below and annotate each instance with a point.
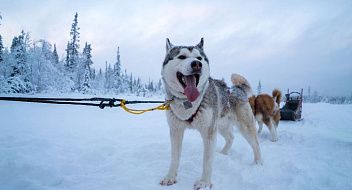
(110, 102)
(58, 99)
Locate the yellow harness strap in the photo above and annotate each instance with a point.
(164, 106)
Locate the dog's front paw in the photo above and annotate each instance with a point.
(258, 162)
(168, 181)
(202, 185)
(274, 139)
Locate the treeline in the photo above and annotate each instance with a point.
(328, 99)
(309, 97)
(314, 97)
(34, 66)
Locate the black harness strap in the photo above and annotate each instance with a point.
(110, 102)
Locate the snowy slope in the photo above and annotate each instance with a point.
(82, 148)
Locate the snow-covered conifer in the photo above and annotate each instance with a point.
(84, 69)
(259, 88)
(20, 66)
(55, 56)
(1, 50)
(72, 57)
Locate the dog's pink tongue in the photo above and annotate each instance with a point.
(191, 90)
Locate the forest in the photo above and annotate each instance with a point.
(33, 66)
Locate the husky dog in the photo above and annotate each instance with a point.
(266, 109)
(205, 104)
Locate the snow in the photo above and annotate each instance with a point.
(58, 147)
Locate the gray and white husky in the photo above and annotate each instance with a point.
(202, 103)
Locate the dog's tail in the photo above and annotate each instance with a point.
(242, 83)
(277, 96)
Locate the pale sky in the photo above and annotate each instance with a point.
(285, 44)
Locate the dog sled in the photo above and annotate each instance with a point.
(292, 110)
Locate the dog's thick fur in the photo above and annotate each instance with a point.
(213, 109)
(266, 109)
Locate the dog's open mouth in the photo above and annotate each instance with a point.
(189, 83)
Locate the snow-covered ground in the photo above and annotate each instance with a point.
(82, 148)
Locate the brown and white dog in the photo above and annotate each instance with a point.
(266, 109)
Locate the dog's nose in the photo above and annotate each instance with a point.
(196, 66)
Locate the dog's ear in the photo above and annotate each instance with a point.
(168, 45)
(200, 44)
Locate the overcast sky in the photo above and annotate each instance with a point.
(285, 44)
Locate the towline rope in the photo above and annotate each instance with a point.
(164, 106)
(110, 102)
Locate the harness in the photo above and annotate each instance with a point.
(190, 120)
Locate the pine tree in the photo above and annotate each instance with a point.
(85, 69)
(19, 80)
(87, 56)
(106, 75)
(18, 50)
(259, 88)
(67, 54)
(73, 46)
(118, 63)
(150, 86)
(109, 76)
(140, 89)
(1, 50)
(55, 56)
(309, 95)
(117, 75)
(130, 83)
(160, 85)
(92, 73)
(86, 86)
(125, 82)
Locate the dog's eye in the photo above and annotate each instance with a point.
(199, 58)
(182, 57)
